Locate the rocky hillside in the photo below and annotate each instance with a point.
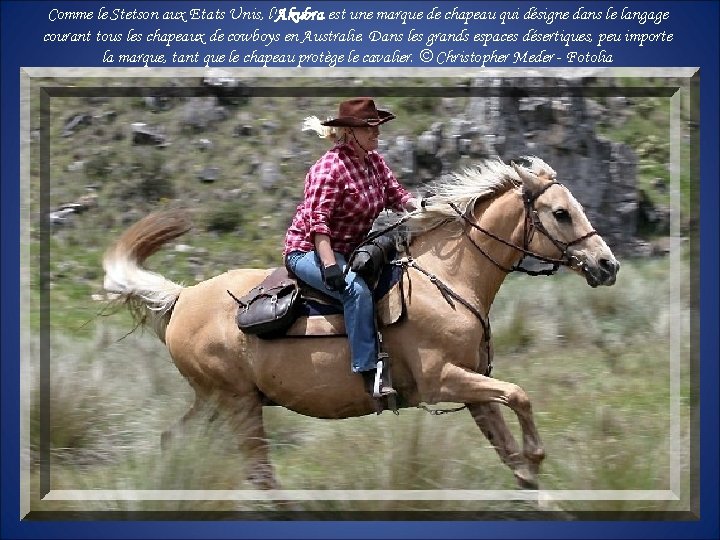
(232, 152)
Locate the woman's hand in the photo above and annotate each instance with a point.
(333, 278)
(332, 274)
(412, 204)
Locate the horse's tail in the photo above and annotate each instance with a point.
(149, 295)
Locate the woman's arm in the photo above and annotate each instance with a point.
(324, 249)
(396, 196)
(332, 274)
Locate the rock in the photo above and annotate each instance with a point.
(209, 174)
(107, 117)
(204, 145)
(158, 103)
(269, 176)
(429, 143)
(71, 208)
(228, 90)
(517, 119)
(199, 113)
(61, 217)
(143, 135)
(254, 165)
(75, 122)
(243, 130)
(228, 194)
(402, 155)
(269, 127)
(76, 166)
(89, 200)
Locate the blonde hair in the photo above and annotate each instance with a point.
(312, 123)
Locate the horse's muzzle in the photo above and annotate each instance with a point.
(603, 273)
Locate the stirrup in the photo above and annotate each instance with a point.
(376, 384)
(381, 385)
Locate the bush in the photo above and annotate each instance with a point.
(224, 218)
(100, 165)
(154, 177)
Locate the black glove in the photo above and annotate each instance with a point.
(333, 278)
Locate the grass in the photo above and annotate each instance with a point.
(594, 362)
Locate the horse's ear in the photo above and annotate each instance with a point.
(532, 183)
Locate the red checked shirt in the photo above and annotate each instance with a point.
(342, 199)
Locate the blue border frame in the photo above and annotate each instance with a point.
(20, 19)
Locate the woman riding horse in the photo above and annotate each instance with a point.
(345, 190)
(481, 224)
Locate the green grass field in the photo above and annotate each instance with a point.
(595, 363)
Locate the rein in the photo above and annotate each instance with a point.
(374, 236)
(531, 218)
(438, 412)
(532, 224)
(449, 295)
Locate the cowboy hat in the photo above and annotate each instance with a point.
(359, 112)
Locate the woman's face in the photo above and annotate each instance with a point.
(366, 137)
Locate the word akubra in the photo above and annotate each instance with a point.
(293, 15)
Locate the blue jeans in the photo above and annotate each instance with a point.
(357, 301)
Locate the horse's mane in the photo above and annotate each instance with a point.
(488, 179)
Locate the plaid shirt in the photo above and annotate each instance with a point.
(342, 199)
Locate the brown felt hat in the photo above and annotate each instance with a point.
(359, 112)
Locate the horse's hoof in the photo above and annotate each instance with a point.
(524, 483)
(525, 479)
(536, 455)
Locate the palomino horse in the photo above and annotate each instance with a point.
(480, 225)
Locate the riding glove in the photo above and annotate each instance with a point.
(333, 278)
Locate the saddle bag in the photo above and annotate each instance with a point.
(269, 308)
(369, 258)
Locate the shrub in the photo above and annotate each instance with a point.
(224, 218)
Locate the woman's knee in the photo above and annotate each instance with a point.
(357, 288)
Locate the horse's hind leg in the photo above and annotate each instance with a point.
(246, 417)
(168, 435)
(489, 419)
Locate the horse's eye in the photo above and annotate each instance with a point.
(561, 215)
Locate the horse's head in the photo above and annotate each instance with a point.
(561, 230)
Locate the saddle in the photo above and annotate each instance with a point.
(284, 307)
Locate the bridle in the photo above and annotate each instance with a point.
(532, 223)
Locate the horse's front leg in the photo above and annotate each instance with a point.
(465, 386)
(489, 419)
